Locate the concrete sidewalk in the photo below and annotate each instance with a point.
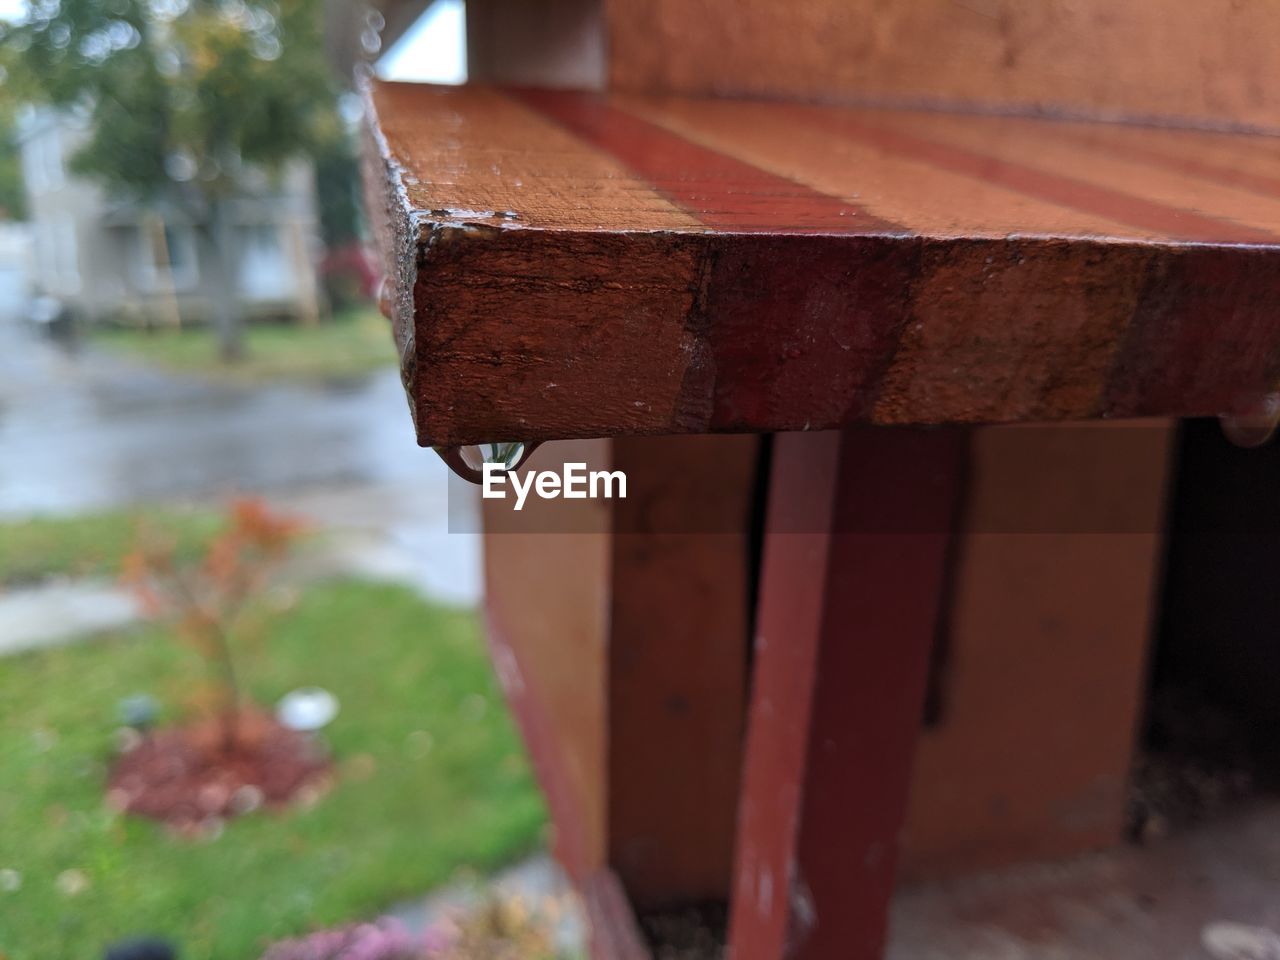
(353, 540)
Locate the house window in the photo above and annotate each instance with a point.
(166, 257)
(67, 253)
(265, 270)
(57, 254)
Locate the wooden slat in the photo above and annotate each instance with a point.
(1039, 694)
(941, 200)
(574, 265)
(620, 632)
(1036, 159)
(614, 932)
(680, 610)
(852, 585)
(547, 589)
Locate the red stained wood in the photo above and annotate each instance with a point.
(720, 191)
(547, 588)
(615, 935)
(1205, 331)
(797, 329)
(620, 632)
(548, 749)
(1054, 188)
(1150, 153)
(568, 265)
(852, 581)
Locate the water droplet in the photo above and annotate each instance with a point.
(468, 461)
(1253, 424)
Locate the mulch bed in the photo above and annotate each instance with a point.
(192, 779)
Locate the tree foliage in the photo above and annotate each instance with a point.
(183, 98)
(206, 600)
(12, 196)
(181, 94)
(338, 193)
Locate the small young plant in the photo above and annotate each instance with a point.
(205, 599)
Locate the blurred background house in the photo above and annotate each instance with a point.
(15, 267)
(104, 255)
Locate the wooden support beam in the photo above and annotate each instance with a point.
(614, 933)
(620, 631)
(680, 615)
(853, 575)
(547, 594)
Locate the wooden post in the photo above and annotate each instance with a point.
(620, 631)
(859, 524)
(679, 638)
(304, 274)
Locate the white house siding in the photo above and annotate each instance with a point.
(15, 268)
(90, 248)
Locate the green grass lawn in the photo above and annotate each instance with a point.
(431, 778)
(350, 344)
(93, 545)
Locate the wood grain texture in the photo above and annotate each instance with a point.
(546, 611)
(620, 632)
(1211, 61)
(1046, 648)
(680, 614)
(576, 265)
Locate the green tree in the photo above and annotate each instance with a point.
(184, 98)
(338, 192)
(13, 197)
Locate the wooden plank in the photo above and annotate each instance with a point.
(570, 265)
(547, 588)
(620, 632)
(852, 583)
(614, 932)
(680, 613)
(1210, 61)
(1041, 688)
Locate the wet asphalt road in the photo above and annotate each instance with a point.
(83, 431)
